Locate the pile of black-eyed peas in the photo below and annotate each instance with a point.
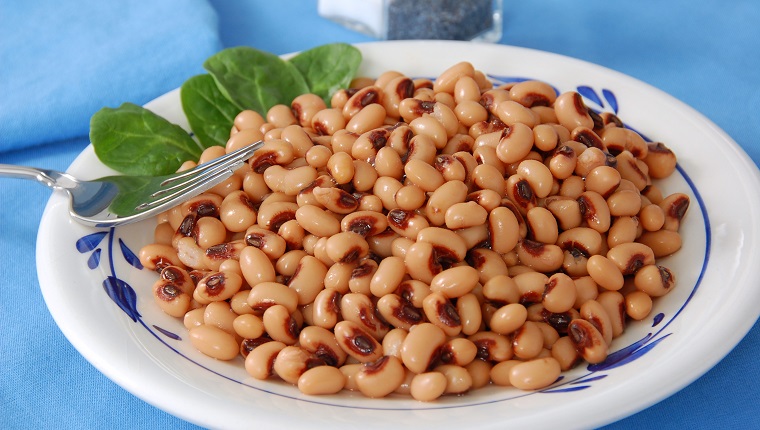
(422, 237)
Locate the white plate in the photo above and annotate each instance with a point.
(689, 331)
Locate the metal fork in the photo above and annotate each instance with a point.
(118, 200)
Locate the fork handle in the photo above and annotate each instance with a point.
(50, 178)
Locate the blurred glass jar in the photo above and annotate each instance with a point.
(474, 20)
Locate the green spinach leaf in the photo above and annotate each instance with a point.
(135, 141)
(254, 79)
(209, 113)
(328, 68)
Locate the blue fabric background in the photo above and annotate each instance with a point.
(62, 61)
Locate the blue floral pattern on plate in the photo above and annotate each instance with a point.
(125, 297)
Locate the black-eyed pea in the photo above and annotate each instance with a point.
(614, 303)
(487, 262)
(630, 169)
(338, 275)
(410, 197)
(660, 160)
(346, 247)
(624, 203)
(480, 372)
(593, 312)
(560, 293)
(248, 119)
(357, 343)
(280, 324)
(651, 217)
(464, 215)
(595, 211)
(341, 167)
(428, 386)
(308, 279)
(630, 257)
(393, 340)
(531, 286)
(655, 280)
(441, 312)
(256, 266)
(327, 122)
(390, 272)
(381, 377)
(399, 312)
(470, 112)
(458, 351)
(528, 341)
(248, 326)
(446, 81)
(565, 210)
(217, 286)
(588, 341)
(504, 230)
(406, 223)
(326, 308)
(488, 177)
(220, 314)
(157, 257)
(585, 289)
(499, 373)
(193, 318)
(455, 281)
(508, 318)
(492, 346)
(675, 207)
(267, 294)
(474, 236)
(287, 264)
(444, 197)
(321, 380)
(171, 298)
(336, 200)
(638, 305)
(501, 289)
(572, 187)
(291, 362)
(538, 176)
(360, 309)
(322, 344)
(563, 350)
(269, 242)
(350, 371)
(368, 118)
(362, 275)
(619, 139)
(624, 229)
(382, 244)
(364, 223)
(458, 379)
(317, 221)
(585, 240)
(517, 189)
(214, 342)
(385, 188)
(571, 111)
(535, 374)
(430, 127)
(540, 256)
(274, 214)
(605, 272)
(259, 363)
(413, 291)
(603, 180)
(662, 242)
(421, 347)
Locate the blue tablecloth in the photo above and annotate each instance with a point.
(61, 61)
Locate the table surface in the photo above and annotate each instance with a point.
(706, 54)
